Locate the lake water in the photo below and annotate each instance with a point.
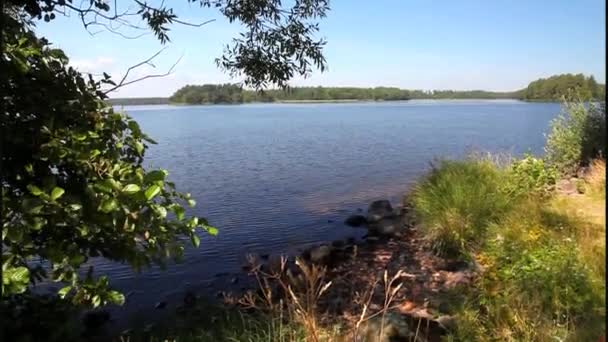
(276, 178)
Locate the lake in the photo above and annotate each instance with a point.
(277, 178)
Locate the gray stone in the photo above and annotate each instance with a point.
(320, 254)
(355, 220)
(386, 226)
(392, 327)
(378, 210)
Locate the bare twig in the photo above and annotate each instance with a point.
(123, 82)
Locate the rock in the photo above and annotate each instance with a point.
(582, 172)
(566, 187)
(378, 210)
(385, 226)
(355, 220)
(456, 279)
(160, 305)
(320, 254)
(391, 327)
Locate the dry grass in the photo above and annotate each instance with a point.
(596, 179)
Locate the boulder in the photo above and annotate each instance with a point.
(392, 327)
(320, 254)
(386, 226)
(378, 210)
(355, 220)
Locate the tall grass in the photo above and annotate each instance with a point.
(457, 201)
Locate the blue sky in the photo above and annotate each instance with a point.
(413, 44)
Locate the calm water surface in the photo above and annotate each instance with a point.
(276, 178)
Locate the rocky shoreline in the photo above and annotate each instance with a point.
(393, 244)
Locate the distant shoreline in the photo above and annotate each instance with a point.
(119, 102)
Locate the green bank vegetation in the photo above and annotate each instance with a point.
(542, 252)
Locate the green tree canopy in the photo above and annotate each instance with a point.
(556, 87)
(72, 177)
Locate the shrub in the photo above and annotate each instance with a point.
(456, 202)
(530, 176)
(577, 135)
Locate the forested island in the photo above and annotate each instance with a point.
(544, 89)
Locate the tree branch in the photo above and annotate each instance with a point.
(123, 82)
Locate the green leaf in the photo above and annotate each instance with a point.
(196, 241)
(56, 193)
(20, 274)
(139, 147)
(94, 153)
(131, 189)
(96, 301)
(152, 191)
(103, 187)
(162, 212)
(191, 203)
(116, 297)
(75, 206)
(34, 190)
(156, 175)
(211, 230)
(64, 291)
(134, 127)
(179, 212)
(108, 205)
(38, 223)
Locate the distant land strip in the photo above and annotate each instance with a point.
(553, 88)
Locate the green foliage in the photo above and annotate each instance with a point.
(556, 87)
(208, 93)
(73, 184)
(74, 187)
(232, 93)
(457, 201)
(277, 41)
(577, 135)
(530, 176)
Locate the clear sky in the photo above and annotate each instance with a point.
(413, 44)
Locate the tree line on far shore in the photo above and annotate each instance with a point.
(544, 89)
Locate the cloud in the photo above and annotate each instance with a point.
(96, 65)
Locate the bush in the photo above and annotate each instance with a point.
(577, 135)
(530, 177)
(73, 182)
(456, 202)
